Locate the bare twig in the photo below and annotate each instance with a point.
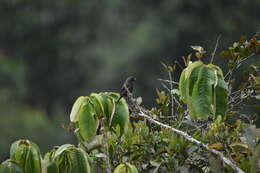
(215, 49)
(164, 80)
(235, 92)
(170, 93)
(230, 72)
(172, 100)
(177, 62)
(165, 87)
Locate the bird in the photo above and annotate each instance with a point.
(127, 87)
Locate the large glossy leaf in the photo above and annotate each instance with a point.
(33, 161)
(13, 149)
(27, 155)
(97, 101)
(70, 159)
(61, 149)
(114, 95)
(193, 77)
(88, 121)
(74, 115)
(63, 162)
(109, 107)
(184, 79)
(217, 68)
(204, 90)
(19, 154)
(222, 93)
(121, 116)
(79, 161)
(203, 94)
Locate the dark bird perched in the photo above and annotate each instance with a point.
(127, 87)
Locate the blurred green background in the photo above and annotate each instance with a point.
(52, 51)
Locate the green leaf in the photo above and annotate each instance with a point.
(63, 161)
(121, 116)
(78, 135)
(52, 167)
(71, 159)
(114, 95)
(226, 54)
(193, 77)
(97, 101)
(33, 162)
(88, 121)
(217, 68)
(49, 156)
(79, 160)
(61, 149)
(222, 93)
(27, 155)
(13, 149)
(183, 82)
(109, 107)
(74, 115)
(202, 94)
(125, 168)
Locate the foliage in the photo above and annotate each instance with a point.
(89, 113)
(9, 167)
(108, 141)
(67, 159)
(125, 168)
(27, 155)
(204, 90)
(58, 50)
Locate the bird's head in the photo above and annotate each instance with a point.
(131, 79)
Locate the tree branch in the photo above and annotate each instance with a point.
(164, 80)
(193, 140)
(146, 114)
